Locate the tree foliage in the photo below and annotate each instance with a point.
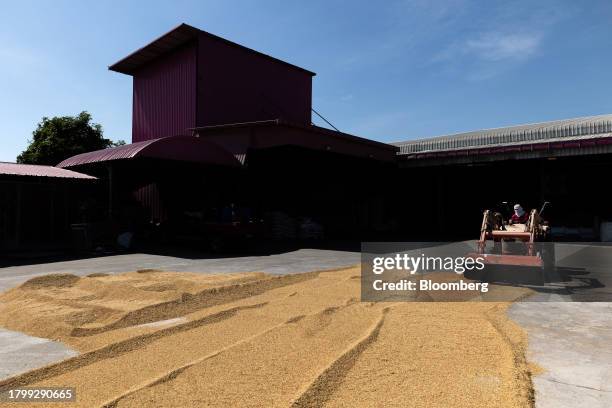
(60, 137)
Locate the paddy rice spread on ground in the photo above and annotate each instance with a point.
(153, 338)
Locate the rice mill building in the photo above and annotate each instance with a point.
(222, 133)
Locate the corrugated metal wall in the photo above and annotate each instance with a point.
(237, 85)
(150, 199)
(164, 95)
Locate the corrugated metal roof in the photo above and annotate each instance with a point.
(182, 148)
(173, 39)
(127, 151)
(592, 127)
(34, 170)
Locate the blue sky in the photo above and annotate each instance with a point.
(389, 71)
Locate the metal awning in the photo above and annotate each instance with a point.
(180, 148)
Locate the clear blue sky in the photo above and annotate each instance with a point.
(389, 71)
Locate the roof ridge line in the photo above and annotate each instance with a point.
(550, 123)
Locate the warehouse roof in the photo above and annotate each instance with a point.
(173, 39)
(34, 170)
(559, 131)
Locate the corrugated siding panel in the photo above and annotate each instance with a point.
(164, 98)
(148, 196)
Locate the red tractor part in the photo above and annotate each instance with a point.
(517, 254)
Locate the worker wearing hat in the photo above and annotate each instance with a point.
(519, 216)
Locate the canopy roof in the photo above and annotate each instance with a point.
(181, 148)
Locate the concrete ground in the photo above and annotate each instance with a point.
(572, 342)
(20, 352)
(570, 334)
(569, 338)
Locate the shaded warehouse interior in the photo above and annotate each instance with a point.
(563, 162)
(38, 204)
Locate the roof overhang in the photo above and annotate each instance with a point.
(593, 145)
(281, 133)
(174, 39)
(566, 130)
(591, 135)
(179, 148)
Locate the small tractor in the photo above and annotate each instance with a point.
(520, 252)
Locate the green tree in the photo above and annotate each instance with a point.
(60, 137)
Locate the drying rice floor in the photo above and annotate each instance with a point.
(162, 339)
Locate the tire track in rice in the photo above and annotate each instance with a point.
(171, 375)
(319, 391)
(117, 349)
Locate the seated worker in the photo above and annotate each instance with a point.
(519, 216)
